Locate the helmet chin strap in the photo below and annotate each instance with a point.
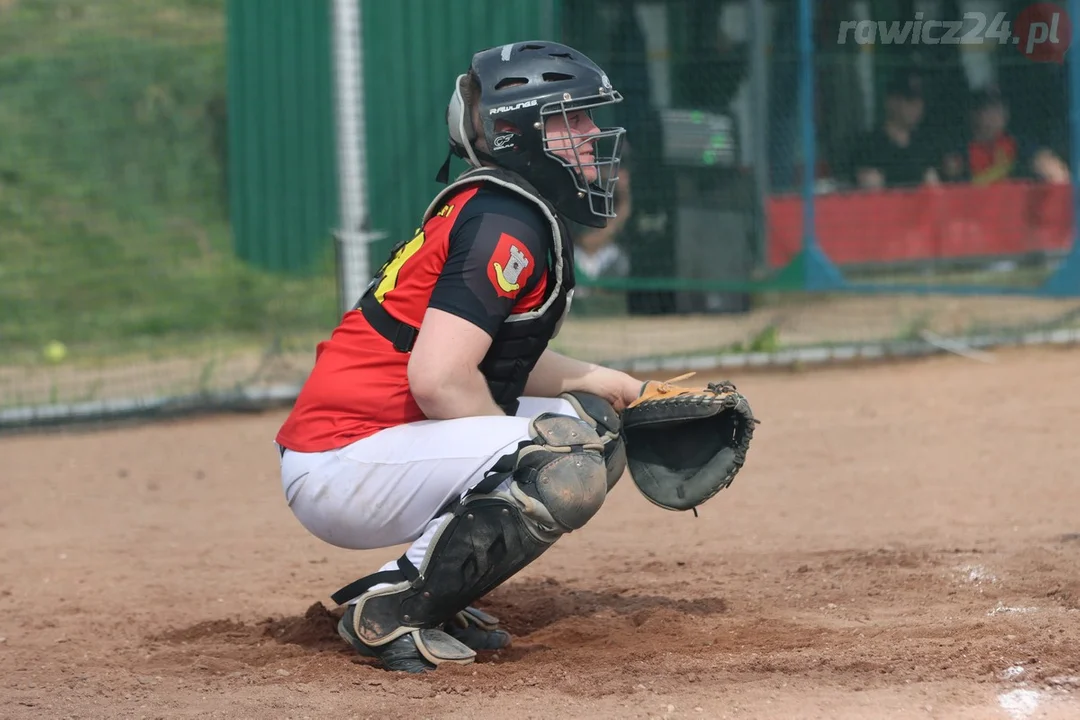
(443, 175)
(479, 156)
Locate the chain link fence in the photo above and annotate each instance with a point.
(944, 147)
(933, 177)
(121, 288)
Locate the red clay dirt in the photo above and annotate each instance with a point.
(904, 542)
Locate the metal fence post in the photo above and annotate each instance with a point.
(1066, 280)
(818, 271)
(353, 235)
(759, 98)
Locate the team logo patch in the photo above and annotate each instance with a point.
(510, 266)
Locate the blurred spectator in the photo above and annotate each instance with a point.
(708, 73)
(599, 252)
(897, 153)
(646, 240)
(993, 153)
(1038, 93)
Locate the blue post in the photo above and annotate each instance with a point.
(1066, 281)
(819, 272)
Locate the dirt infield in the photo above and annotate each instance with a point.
(903, 543)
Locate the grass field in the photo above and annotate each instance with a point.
(112, 183)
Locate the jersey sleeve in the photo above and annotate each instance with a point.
(497, 256)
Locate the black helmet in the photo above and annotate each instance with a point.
(521, 85)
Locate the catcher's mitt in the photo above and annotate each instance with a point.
(684, 445)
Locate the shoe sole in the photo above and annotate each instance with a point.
(347, 635)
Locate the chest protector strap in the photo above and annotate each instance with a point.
(401, 334)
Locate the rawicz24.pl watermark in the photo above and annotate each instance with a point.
(1041, 31)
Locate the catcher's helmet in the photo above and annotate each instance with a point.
(521, 85)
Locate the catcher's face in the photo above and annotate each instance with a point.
(571, 136)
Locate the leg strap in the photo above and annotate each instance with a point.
(555, 484)
(485, 541)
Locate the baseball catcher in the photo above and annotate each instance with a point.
(437, 415)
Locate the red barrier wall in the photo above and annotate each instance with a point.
(948, 221)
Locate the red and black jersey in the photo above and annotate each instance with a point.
(994, 160)
(483, 256)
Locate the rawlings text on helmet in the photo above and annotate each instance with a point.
(510, 108)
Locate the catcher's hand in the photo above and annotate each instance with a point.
(684, 445)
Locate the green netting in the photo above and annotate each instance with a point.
(117, 275)
(691, 236)
(944, 151)
(120, 288)
(715, 239)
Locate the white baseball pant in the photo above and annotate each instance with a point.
(386, 489)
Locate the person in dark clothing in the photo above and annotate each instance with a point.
(897, 153)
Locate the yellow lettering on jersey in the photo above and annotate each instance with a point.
(445, 211)
(390, 274)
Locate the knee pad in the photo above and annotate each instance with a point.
(560, 478)
(601, 416)
(557, 482)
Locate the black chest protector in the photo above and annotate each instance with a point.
(523, 337)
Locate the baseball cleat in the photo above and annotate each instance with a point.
(477, 630)
(422, 650)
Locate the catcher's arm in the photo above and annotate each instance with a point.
(555, 374)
